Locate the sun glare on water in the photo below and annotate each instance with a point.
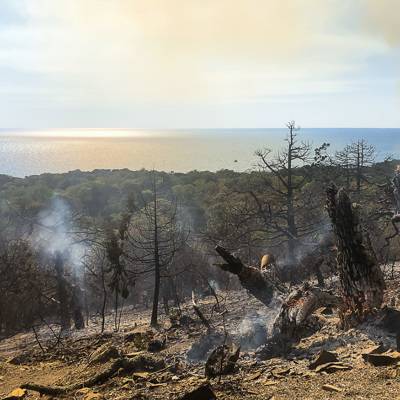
(90, 133)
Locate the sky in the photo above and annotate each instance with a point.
(154, 64)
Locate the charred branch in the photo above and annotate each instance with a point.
(252, 279)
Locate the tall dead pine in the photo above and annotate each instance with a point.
(360, 275)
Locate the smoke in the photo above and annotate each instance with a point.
(214, 284)
(256, 327)
(55, 233)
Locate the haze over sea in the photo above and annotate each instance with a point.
(25, 152)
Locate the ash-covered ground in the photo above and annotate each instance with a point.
(184, 347)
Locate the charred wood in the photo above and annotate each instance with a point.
(252, 279)
(198, 312)
(360, 276)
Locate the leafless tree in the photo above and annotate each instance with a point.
(154, 238)
(283, 178)
(353, 160)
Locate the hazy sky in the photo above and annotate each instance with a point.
(199, 63)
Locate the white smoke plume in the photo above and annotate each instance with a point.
(214, 284)
(256, 327)
(55, 233)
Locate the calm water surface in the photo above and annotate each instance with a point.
(29, 153)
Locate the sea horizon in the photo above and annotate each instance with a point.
(26, 152)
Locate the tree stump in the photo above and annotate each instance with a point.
(360, 276)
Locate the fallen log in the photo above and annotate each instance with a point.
(292, 321)
(138, 363)
(298, 307)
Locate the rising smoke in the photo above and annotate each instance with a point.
(55, 232)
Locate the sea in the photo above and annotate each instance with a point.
(33, 152)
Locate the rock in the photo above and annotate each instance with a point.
(331, 388)
(383, 359)
(375, 350)
(323, 357)
(332, 367)
(103, 354)
(280, 373)
(222, 360)
(203, 392)
(16, 394)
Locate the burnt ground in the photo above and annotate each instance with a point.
(22, 360)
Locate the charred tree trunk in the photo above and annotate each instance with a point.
(291, 221)
(62, 293)
(292, 321)
(252, 279)
(360, 275)
(318, 274)
(104, 302)
(298, 307)
(396, 190)
(157, 278)
(77, 314)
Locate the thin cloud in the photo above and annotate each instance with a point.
(91, 55)
(382, 18)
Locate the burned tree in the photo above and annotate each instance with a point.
(354, 159)
(296, 307)
(283, 179)
(396, 199)
(396, 191)
(359, 273)
(68, 296)
(119, 279)
(62, 292)
(97, 269)
(23, 286)
(154, 238)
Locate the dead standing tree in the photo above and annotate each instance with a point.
(396, 198)
(284, 181)
(119, 279)
(360, 275)
(62, 292)
(353, 160)
(154, 238)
